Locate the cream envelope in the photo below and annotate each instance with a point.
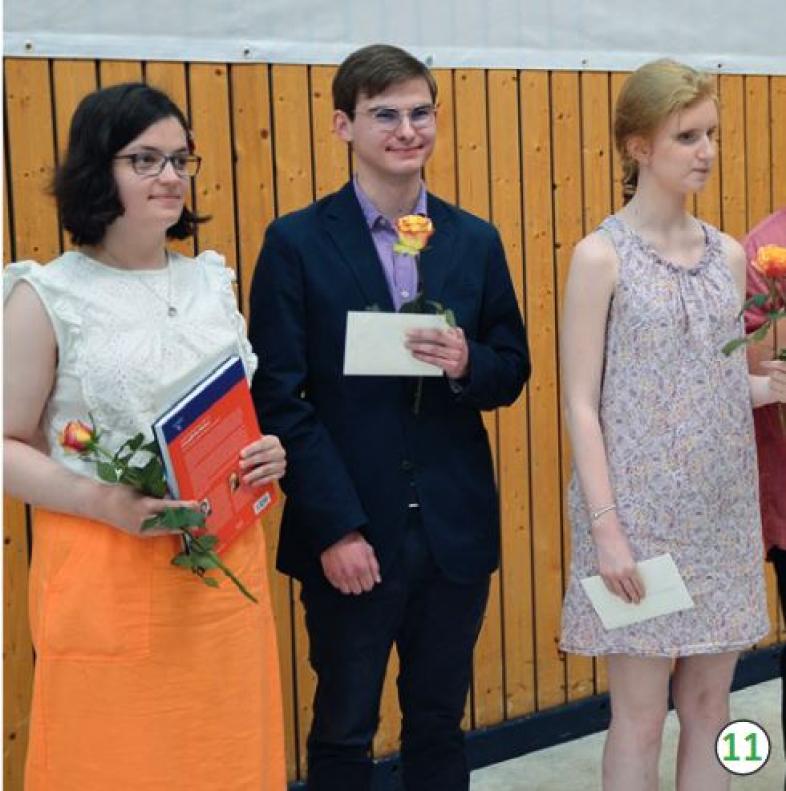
(665, 593)
(375, 343)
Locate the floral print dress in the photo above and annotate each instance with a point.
(677, 421)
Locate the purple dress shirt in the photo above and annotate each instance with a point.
(400, 270)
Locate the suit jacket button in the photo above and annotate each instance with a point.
(407, 465)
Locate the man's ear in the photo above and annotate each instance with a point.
(342, 126)
(639, 149)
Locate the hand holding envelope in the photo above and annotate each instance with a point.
(666, 593)
(376, 343)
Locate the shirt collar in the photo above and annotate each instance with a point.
(372, 214)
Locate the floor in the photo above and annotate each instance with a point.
(575, 766)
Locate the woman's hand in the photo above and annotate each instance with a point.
(616, 564)
(263, 461)
(127, 509)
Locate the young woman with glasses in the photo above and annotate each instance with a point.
(145, 678)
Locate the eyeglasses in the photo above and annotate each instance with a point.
(152, 163)
(389, 118)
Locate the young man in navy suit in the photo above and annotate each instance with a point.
(391, 521)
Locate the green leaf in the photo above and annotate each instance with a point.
(152, 478)
(211, 582)
(178, 518)
(107, 471)
(207, 542)
(185, 561)
(205, 560)
(151, 447)
(151, 522)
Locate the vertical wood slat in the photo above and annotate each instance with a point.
(542, 388)
(32, 159)
(209, 91)
(331, 155)
(778, 140)
(294, 189)
(171, 79)
(568, 230)
(732, 124)
(473, 196)
(441, 168)
(113, 72)
(72, 80)
(513, 448)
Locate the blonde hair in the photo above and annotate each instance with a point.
(649, 96)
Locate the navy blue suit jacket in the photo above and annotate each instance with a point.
(354, 445)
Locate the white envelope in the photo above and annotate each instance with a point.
(375, 343)
(665, 592)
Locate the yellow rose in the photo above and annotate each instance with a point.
(771, 261)
(414, 231)
(77, 437)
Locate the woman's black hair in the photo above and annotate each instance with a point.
(106, 121)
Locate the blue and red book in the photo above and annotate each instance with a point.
(200, 437)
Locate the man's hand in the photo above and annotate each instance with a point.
(446, 349)
(351, 565)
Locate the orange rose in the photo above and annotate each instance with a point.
(414, 231)
(77, 437)
(771, 261)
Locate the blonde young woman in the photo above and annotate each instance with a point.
(661, 428)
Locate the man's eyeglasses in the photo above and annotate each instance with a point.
(389, 118)
(152, 163)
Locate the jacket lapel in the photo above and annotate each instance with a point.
(437, 260)
(348, 228)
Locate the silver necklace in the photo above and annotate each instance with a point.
(171, 310)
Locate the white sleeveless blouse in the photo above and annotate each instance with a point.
(121, 358)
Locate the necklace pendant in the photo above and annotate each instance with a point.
(171, 311)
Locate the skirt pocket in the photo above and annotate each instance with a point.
(90, 589)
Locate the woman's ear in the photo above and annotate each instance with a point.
(342, 126)
(639, 149)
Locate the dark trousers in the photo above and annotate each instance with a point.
(778, 558)
(434, 623)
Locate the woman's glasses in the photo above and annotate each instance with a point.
(152, 163)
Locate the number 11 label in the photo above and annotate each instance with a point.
(742, 747)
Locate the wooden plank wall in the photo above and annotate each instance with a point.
(529, 150)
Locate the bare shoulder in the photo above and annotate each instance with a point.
(736, 260)
(595, 257)
(733, 250)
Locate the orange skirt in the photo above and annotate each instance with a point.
(145, 678)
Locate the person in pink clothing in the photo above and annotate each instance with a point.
(770, 438)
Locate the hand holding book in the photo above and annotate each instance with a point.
(138, 465)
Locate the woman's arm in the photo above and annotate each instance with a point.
(593, 273)
(30, 363)
(767, 377)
